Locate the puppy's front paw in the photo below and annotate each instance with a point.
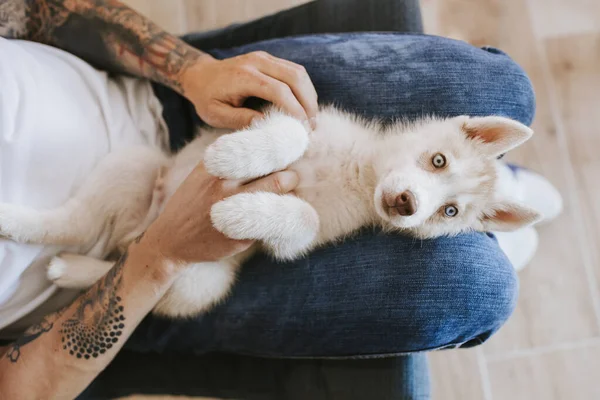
(285, 224)
(270, 146)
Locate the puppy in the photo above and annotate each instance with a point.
(433, 177)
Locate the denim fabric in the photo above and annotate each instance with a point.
(372, 296)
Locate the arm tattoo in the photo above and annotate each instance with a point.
(14, 350)
(95, 326)
(12, 18)
(98, 320)
(106, 33)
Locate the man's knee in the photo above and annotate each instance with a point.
(463, 79)
(471, 291)
(388, 75)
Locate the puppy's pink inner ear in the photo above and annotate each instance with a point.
(508, 217)
(505, 217)
(487, 134)
(496, 135)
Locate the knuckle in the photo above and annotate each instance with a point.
(245, 68)
(284, 91)
(262, 81)
(300, 70)
(259, 55)
(299, 75)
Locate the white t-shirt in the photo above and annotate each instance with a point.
(58, 118)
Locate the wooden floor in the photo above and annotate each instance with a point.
(550, 349)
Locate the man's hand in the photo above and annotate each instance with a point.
(184, 233)
(49, 360)
(218, 88)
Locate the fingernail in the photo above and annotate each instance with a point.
(288, 180)
(313, 123)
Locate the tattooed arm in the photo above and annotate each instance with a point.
(59, 357)
(111, 36)
(106, 33)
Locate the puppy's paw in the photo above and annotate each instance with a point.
(268, 146)
(57, 269)
(20, 224)
(73, 271)
(285, 224)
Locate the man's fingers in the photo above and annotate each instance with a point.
(296, 78)
(226, 116)
(280, 182)
(278, 93)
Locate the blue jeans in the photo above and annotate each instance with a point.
(374, 295)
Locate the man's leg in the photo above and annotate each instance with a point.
(411, 295)
(376, 294)
(376, 306)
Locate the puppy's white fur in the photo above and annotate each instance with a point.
(348, 168)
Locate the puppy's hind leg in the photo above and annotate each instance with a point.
(65, 225)
(74, 271)
(199, 287)
(115, 186)
(269, 145)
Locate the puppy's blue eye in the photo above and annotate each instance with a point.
(439, 160)
(451, 211)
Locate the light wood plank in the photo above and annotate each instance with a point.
(455, 375)
(552, 18)
(170, 15)
(575, 66)
(561, 375)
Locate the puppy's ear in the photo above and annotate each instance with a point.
(508, 216)
(497, 135)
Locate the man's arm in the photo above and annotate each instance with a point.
(113, 37)
(60, 356)
(105, 33)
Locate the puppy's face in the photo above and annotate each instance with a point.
(440, 178)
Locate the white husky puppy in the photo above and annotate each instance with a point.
(429, 178)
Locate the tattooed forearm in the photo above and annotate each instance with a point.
(106, 33)
(13, 17)
(98, 321)
(14, 350)
(95, 324)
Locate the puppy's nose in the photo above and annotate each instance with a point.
(406, 203)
